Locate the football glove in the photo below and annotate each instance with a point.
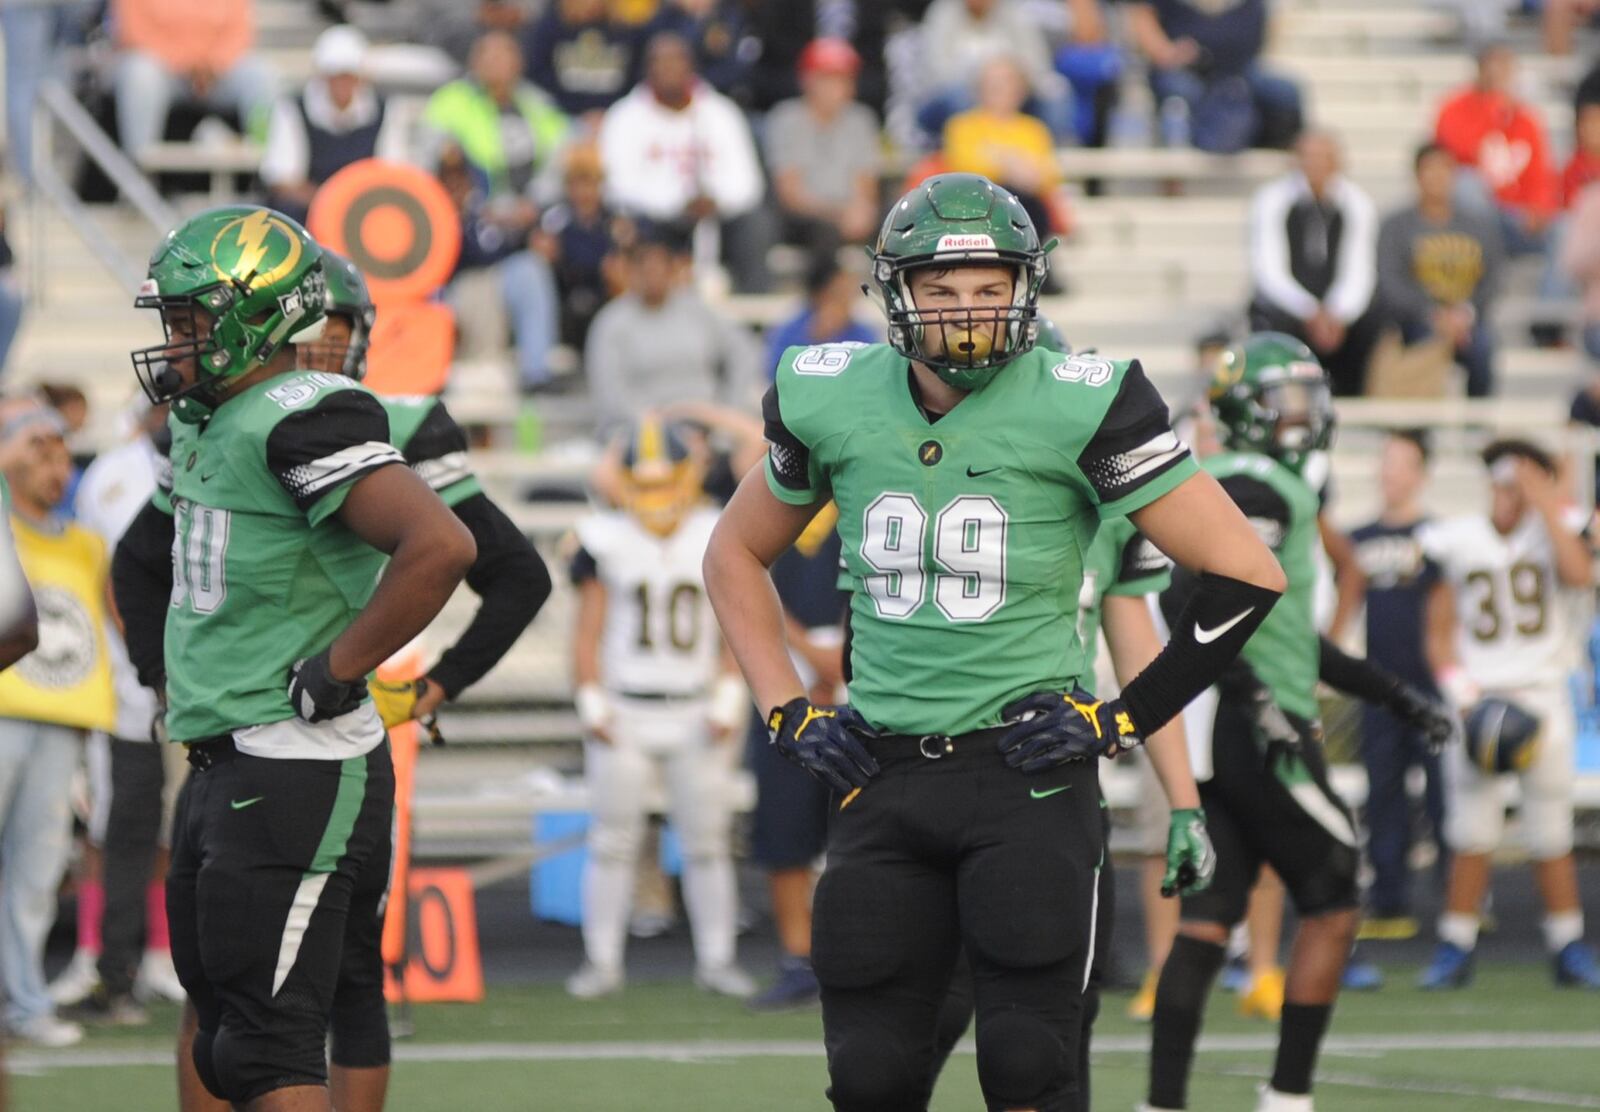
(825, 741)
(1501, 736)
(1423, 714)
(396, 702)
(1191, 862)
(315, 695)
(1050, 728)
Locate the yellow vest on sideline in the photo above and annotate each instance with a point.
(67, 679)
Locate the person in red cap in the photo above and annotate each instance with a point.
(823, 152)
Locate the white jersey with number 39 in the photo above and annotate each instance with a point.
(1515, 623)
(660, 636)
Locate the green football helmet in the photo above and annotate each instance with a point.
(347, 297)
(1270, 395)
(954, 220)
(1050, 337)
(254, 274)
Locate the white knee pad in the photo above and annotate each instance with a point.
(615, 841)
(1475, 810)
(1547, 783)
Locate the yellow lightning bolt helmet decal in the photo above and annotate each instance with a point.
(251, 238)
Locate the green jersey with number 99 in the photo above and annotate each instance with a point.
(263, 572)
(964, 538)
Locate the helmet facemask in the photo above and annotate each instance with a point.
(346, 356)
(189, 322)
(1297, 407)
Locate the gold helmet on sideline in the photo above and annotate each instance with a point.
(661, 476)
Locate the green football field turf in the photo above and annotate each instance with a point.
(1509, 1042)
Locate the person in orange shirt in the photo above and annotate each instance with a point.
(1490, 131)
(1003, 143)
(186, 49)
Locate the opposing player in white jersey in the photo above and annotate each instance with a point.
(1503, 641)
(654, 700)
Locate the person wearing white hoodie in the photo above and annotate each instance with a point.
(676, 150)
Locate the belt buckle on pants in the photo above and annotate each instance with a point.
(934, 746)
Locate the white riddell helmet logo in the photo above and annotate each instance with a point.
(965, 243)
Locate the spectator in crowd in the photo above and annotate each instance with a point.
(199, 50)
(781, 33)
(1206, 73)
(1490, 131)
(660, 343)
(715, 30)
(582, 55)
(339, 118)
(1585, 413)
(1092, 63)
(31, 29)
(677, 150)
(1561, 20)
(46, 702)
(1580, 261)
(494, 247)
(1583, 167)
(960, 36)
(580, 237)
(1439, 270)
(1394, 577)
(1313, 261)
(454, 26)
(823, 153)
(1003, 143)
(832, 294)
(11, 299)
(508, 129)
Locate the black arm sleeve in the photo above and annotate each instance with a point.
(1355, 675)
(513, 583)
(583, 566)
(1135, 443)
(327, 446)
(1219, 616)
(141, 582)
(791, 460)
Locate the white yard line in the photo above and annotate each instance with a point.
(24, 1060)
(1510, 1094)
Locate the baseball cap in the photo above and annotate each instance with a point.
(341, 49)
(835, 56)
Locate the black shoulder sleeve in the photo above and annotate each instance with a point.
(329, 445)
(1140, 559)
(1268, 511)
(511, 581)
(791, 460)
(141, 583)
(436, 437)
(583, 566)
(1135, 443)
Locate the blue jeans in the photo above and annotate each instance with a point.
(1476, 356)
(36, 765)
(1389, 751)
(30, 34)
(146, 90)
(530, 297)
(1277, 103)
(11, 305)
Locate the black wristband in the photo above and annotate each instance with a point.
(1219, 617)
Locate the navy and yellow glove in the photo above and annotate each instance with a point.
(1050, 728)
(1191, 862)
(825, 741)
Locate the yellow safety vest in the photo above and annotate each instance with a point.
(67, 679)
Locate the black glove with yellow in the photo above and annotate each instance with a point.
(396, 701)
(1050, 728)
(825, 741)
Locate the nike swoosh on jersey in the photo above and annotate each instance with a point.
(1037, 794)
(241, 804)
(1206, 636)
(971, 474)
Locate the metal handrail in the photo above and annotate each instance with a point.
(56, 106)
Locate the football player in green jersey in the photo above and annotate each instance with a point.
(1267, 798)
(971, 472)
(304, 554)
